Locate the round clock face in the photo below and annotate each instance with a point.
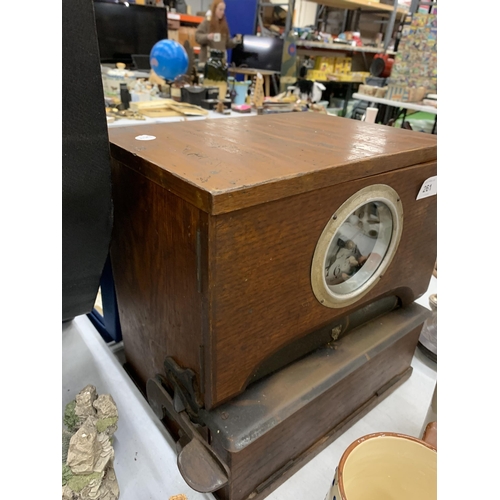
(356, 246)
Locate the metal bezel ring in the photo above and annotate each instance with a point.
(376, 192)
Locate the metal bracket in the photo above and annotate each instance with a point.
(186, 393)
(202, 469)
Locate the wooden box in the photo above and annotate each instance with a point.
(223, 231)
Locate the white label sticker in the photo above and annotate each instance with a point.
(145, 137)
(429, 188)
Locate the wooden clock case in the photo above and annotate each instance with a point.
(217, 223)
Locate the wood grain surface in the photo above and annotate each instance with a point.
(155, 262)
(225, 165)
(262, 298)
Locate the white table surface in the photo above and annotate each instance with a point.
(145, 457)
(396, 104)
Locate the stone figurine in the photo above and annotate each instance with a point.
(87, 447)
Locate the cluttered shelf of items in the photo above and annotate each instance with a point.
(316, 68)
(151, 100)
(400, 66)
(313, 47)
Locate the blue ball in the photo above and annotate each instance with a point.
(168, 59)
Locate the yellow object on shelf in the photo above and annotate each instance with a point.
(338, 70)
(316, 74)
(324, 64)
(166, 107)
(325, 67)
(258, 95)
(342, 65)
(354, 76)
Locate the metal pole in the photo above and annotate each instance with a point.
(344, 23)
(319, 12)
(414, 6)
(289, 17)
(390, 27)
(259, 19)
(357, 16)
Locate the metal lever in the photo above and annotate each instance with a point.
(198, 464)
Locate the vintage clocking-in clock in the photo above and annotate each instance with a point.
(266, 270)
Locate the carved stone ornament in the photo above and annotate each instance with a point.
(87, 447)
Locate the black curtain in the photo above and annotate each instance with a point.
(86, 173)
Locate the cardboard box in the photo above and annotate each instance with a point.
(173, 35)
(186, 33)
